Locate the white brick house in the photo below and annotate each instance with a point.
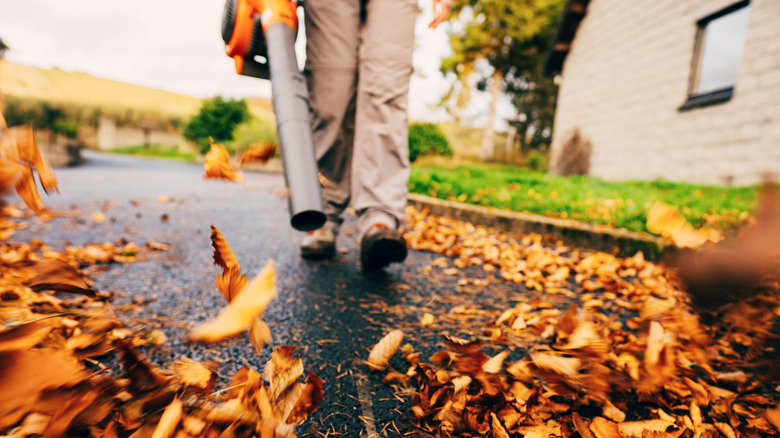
(649, 85)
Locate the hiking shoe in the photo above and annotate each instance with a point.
(381, 246)
(319, 244)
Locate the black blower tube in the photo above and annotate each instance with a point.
(291, 105)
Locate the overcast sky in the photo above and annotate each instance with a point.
(174, 45)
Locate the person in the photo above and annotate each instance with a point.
(358, 67)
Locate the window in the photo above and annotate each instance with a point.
(720, 41)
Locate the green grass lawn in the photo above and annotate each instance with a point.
(616, 204)
(156, 150)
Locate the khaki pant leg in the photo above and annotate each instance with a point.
(332, 38)
(380, 166)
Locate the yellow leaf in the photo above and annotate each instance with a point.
(250, 303)
(638, 429)
(193, 374)
(493, 365)
(384, 350)
(427, 320)
(169, 420)
(665, 220)
(217, 164)
(565, 366)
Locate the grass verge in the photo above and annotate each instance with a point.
(616, 204)
(156, 150)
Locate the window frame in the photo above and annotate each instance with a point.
(696, 100)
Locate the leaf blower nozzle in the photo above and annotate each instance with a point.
(260, 37)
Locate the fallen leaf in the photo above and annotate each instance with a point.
(639, 429)
(384, 350)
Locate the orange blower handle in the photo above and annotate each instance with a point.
(247, 14)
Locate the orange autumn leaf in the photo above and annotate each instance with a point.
(259, 152)
(217, 164)
(191, 373)
(231, 282)
(384, 350)
(310, 398)
(10, 172)
(25, 187)
(238, 315)
(667, 221)
(169, 420)
(603, 428)
(223, 255)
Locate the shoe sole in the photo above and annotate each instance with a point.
(318, 253)
(383, 252)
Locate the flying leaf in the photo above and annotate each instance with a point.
(223, 255)
(384, 350)
(310, 398)
(282, 370)
(259, 334)
(565, 366)
(493, 365)
(25, 187)
(191, 373)
(10, 172)
(169, 420)
(259, 152)
(235, 318)
(665, 220)
(217, 164)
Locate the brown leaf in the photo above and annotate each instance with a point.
(259, 152)
(282, 370)
(565, 366)
(773, 415)
(217, 164)
(10, 172)
(25, 187)
(231, 283)
(308, 401)
(61, 421)
(498, 429)
(259, 334)
(462, 346)
(142, 375)
(240, 313)
(53, 275)
(223, 255)
(25, 373)
(582, 426)
(26, 335)
(384, 350)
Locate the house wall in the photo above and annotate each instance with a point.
(627, 73)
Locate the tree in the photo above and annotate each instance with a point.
(498, 40)
(217, 118)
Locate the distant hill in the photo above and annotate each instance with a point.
(57, 85)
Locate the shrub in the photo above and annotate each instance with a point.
(68, 129)
(217, 118)
(537, 161)
(427, 139)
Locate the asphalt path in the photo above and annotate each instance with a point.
(331, 310)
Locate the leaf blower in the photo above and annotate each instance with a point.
(260, 37)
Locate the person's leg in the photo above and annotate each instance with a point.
(380, 166)
(332, 40)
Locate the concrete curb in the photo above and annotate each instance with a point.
(614, 241)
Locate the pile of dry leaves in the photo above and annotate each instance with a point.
(68, 366)
(629, 358)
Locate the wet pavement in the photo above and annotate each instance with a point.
(331, 310)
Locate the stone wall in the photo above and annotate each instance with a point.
(627, 74)
(109, 136)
